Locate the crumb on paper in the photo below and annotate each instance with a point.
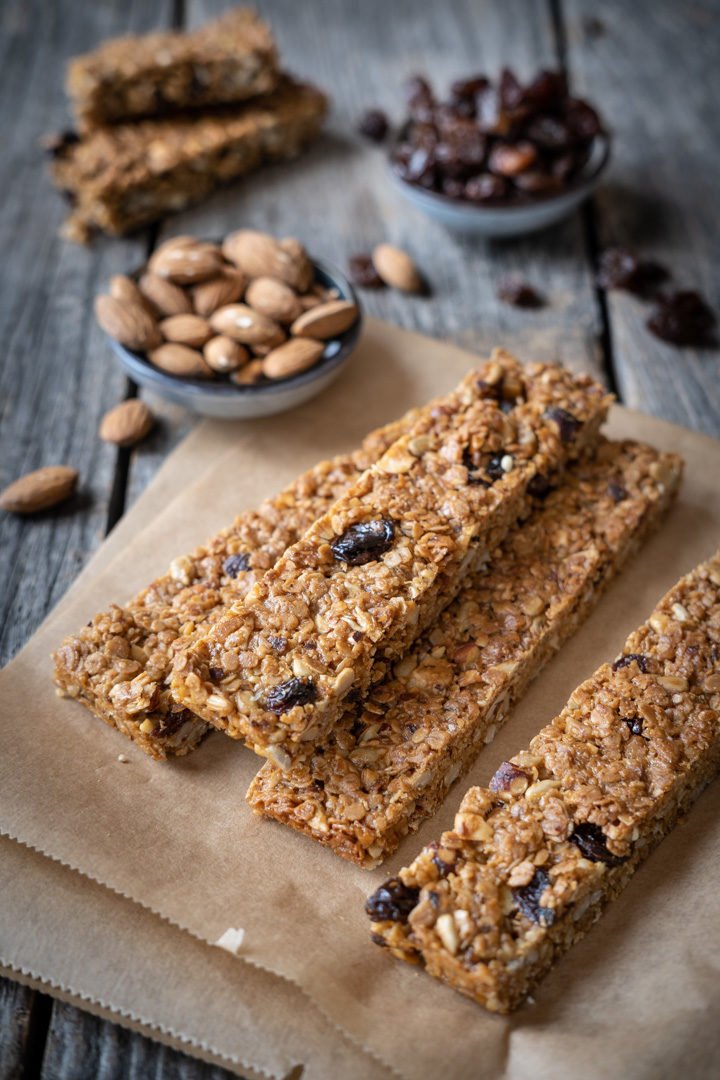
(232, 939)
(123, 758)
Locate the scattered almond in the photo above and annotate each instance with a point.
(228, 287)
(241, 323)
(326, 320)
(186, 330)
(273, 298)
(186, 263)
(127, 423)
(396, 268)
(128, 322)
(294, 356)
(249, 375)
(39, 490)
(180, 360)
(260, 255)
(224, 355)
(167, 298)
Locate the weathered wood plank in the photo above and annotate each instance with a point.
(16, 1004)
(652, 69)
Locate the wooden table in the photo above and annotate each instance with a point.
(651, 68)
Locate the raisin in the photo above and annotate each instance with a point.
(364, 542)
(617, 493)
(622, 269)
(378, 939)
(277, 644)
(236, 564)
(173, 721)
(635, 724)
(216, 673)
(441, 866)
(485, 188)
(494, 467)
(374, 125)
(528, 900)
(474, 476)
(626, 661)
(392, 902)
(291, 693)
(513, 290)
(539, 487)
(684, 318)
(592, 843)
(568, 425)
(363, 272)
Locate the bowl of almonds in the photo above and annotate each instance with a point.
(240, 329)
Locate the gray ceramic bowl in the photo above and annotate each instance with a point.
(473, 219)
(225, 400)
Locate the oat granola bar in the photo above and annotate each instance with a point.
(225, 61)
(531, 862)
(388, 763)
(375, 571)
(120, 178)
(119, 665)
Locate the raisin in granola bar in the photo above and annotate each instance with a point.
(388, 763)
(225, 61)
(119, 665)
(531, 862)
(120, 178)
(375, 571)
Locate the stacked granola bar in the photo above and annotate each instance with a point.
(166, 118)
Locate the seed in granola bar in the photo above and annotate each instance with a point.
(592, 843)
(621, 269)
(632, 658)
(528, 900)
(287, 695)
(617, 493)
(568, 425)
(635, 724)
(539, 486)
(392, 902)
(684, 318)
(236, 564)
(508, 777)
(217, 674)
(374, 125)
(363, 272)
(518, 293)
(364, 542)
(277, 644)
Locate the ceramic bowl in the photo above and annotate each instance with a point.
(474, 219)
(225, 400)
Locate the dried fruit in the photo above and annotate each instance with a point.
(180, 360)
(396, 268)
(568, 425)
(326, 321)
(290, 694)
(617, 493)
(294, 356)
(186, 330)
(224, 355)
(245, 325)
(515, 291)
(127, 423)
(364, 542)
(275, 299)
(363, 273)
(635, 724)
(632, 658)
(236, 564)
(374, 125)
(186, 261)
(128, 322)
(165, 297)
(39, 490)
(684, 318)
(529, 897)
(592, 843)
(226, 288)
(622, 269)
(259, 255)
(392, 902)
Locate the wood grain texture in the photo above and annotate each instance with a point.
(16, 1004)
(652, 69)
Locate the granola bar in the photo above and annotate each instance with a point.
(375, 571)
(119, 665)
(531, 862)
(387, 765)
(119, 178)
(225, 61)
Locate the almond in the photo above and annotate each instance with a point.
(243, 324)
(39, 490)
(228, 287)
(186, 263)
(128, 322)
(125, 290)
(260, 255)
(268, 346)
(181, 361)
(249, 375)
(304, 268)
(223, 354)
(326, 320)
(273, 298)
(167, 298)
(291, 358)
(396, 268)
(186, 330)
(127, 423)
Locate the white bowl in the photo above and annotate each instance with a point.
(516, 219)
(225, 400)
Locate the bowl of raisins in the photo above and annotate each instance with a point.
(499, 159)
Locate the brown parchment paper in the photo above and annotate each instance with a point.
(179, 838)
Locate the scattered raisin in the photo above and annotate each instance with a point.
(592, 843)
(392, 902)
(513, 290)
(363, 272)
(236, 564)
(291, 693)
(568, 425)
(626, 661)
(374, 125)
(528, 900)
(277, 644)
(617, 492)
(622, 269)
(364, 542)
(684, 318)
